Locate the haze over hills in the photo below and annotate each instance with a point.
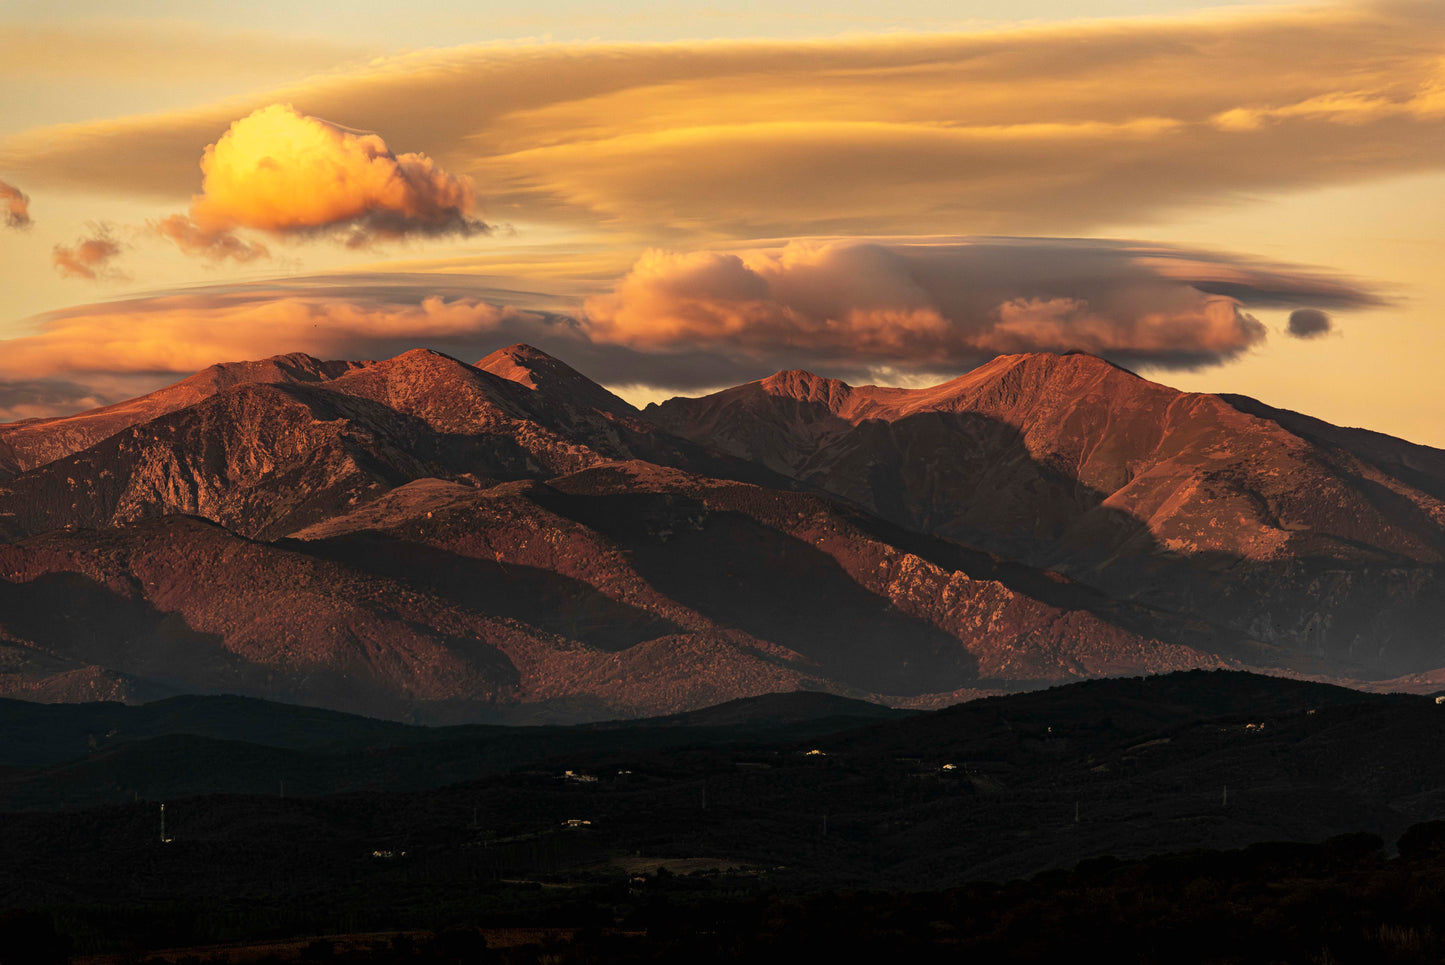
(419, 538)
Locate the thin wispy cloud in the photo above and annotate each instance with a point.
(88, 258)
(38, 398)
(183, 333)
(130, 51)
(1049, 129)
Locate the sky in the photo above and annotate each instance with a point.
(676, 197)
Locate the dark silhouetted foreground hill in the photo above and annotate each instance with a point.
(786, 821)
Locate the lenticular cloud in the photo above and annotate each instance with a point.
(288, 174)
(932, 307)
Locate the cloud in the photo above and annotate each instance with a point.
(938, 308)
(180, 333)
(865, 310)
(217, 245)
(1309, 323)
(88, 258)
(1039, 129)
(32, 399)
(282, 172)
(128, 51)
(96, 354)
(16, 205)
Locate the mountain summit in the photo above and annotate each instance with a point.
(35, 442)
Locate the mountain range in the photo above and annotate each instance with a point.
(426, 540)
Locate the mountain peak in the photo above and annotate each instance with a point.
(40, 441)
(521, 350)
(290, 358)
(805, 386)
(525, 364)
(532, 368)
(422, 367)
(423, 356)
(290, 367)
(1074, 360)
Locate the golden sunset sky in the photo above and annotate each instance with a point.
(674, 197)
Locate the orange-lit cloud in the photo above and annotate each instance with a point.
(1048, 129)
(282, 172)
(217, 245)
(92, 355)
(939, 307)
(861, 310)
(182, 333)
(88, 258)
(16, 205)
(129, 52)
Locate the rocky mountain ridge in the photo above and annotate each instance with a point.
(423, 539)
(1192, 502)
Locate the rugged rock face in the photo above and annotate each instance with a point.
(35, 442)
(266, 457)
(420, 538)
(1325, 540)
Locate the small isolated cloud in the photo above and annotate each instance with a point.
(1309, 323)
(215, 245)
(88, 258)
(291, 175)
(930, 308)
(16, 205)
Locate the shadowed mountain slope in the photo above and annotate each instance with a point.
(621, 590)
(1323, 540)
